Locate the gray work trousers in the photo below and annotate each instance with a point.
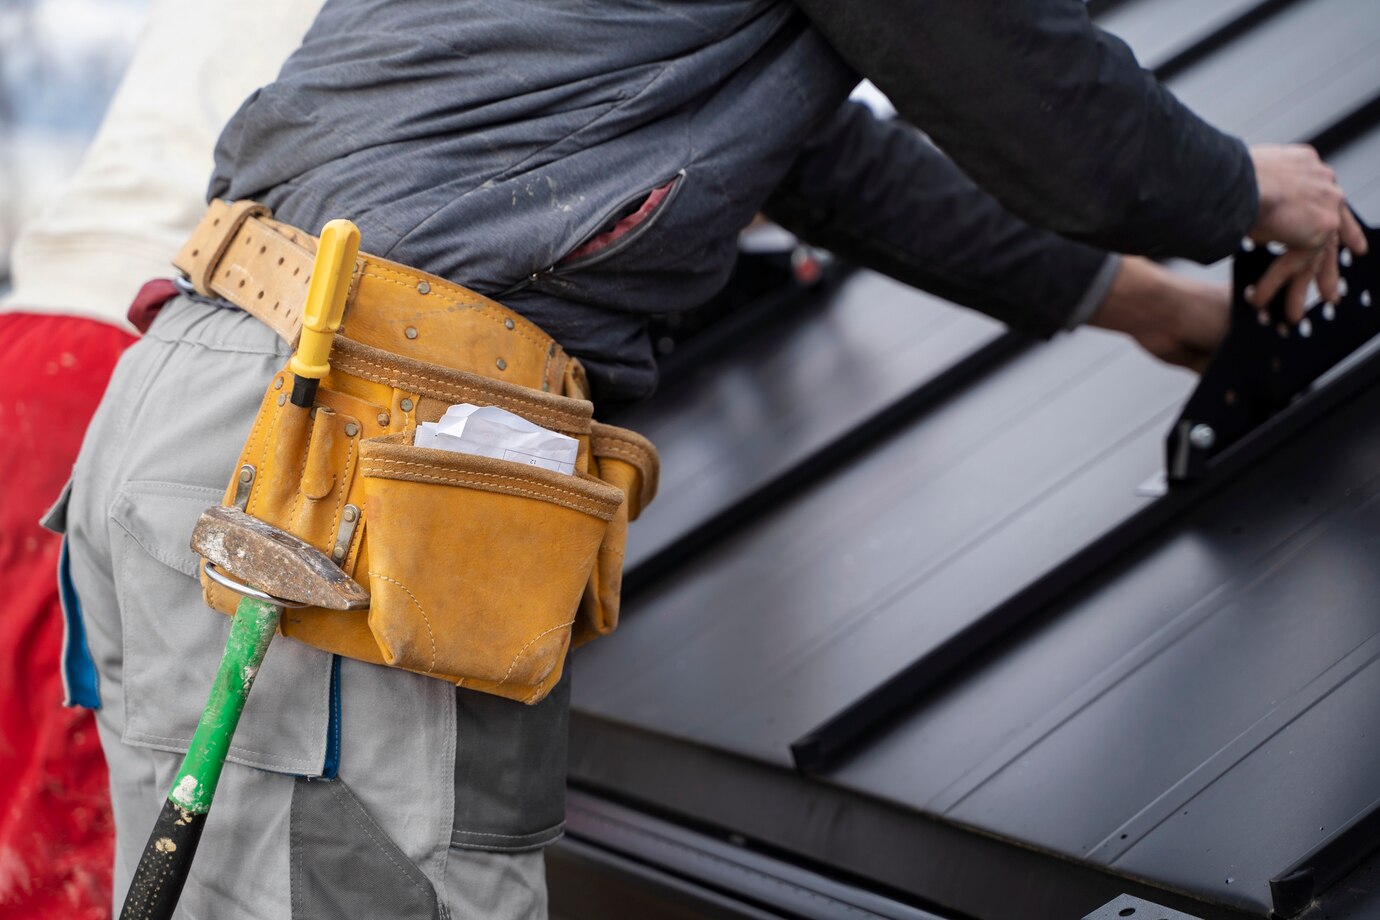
(352, 790)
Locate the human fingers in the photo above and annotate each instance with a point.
(1296, 296)
(1353, 237)
(1278, 274)
(1329, 274)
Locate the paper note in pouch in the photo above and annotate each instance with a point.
(493, 432)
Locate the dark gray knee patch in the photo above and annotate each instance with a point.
(344, 866)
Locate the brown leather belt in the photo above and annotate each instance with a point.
(239, 253)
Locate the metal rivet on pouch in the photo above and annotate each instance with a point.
(338, 553)
(350, 513)
(383, 418)
(423, 288)
(502, 365)
(509, 323)
(282, 398)
(410, 332)
(246, 473)
(405, 405)
(351, 429)
(278, 383)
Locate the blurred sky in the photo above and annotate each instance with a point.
(60, 61)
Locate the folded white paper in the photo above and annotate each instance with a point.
(493, 432)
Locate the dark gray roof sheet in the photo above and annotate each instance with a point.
(1190, 722)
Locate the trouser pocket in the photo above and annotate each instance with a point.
(477, 566)
(342, 863)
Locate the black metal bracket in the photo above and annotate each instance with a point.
(1265, 362)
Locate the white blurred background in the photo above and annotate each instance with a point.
(60, 61)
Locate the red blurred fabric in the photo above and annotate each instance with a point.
(56, 833)
(149, 302)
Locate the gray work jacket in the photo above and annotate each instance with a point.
(487, 141)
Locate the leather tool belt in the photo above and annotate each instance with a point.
(482, 572)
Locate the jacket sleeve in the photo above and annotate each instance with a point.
(882, 196)
(1055, 118)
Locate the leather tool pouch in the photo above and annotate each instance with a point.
(482, 572)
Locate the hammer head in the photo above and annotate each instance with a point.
(274, 561)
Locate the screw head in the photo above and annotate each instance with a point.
(277, 383)
(338, 553)
(509, 323)
(282, 398)
(351, 513)
(410, 332)
(383, 418)
(423, 287)
(405, 404)
(246, 473)
(351, 429)
(502, 365)
(1202, 436)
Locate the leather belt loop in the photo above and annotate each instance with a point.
(212, 237)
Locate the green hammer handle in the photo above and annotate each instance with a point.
(167, 858)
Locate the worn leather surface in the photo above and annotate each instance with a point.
(238, 252)
(627, 461)
(508, 552)
(481, 570)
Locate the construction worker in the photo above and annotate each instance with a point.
(586, 166)
(76, 266)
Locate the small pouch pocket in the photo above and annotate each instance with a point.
(629, 462)
(477, 566)
(481, 571)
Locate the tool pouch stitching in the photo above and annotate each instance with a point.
(492, 608)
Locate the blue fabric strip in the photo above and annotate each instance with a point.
(80, 683)
(331, 766)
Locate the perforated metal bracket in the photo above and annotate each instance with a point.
(1127, 907)
(1265, 362)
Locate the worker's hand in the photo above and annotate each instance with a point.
(1176, 319)
(1302, 207)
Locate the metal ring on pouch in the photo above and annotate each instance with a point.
(225, 581)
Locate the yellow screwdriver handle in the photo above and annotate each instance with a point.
(325, 306)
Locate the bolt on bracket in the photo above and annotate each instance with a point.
(1265, 362)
